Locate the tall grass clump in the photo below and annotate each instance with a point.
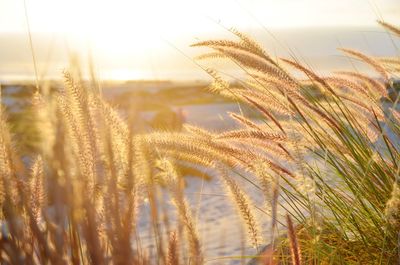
(334, 149)
(78, 200)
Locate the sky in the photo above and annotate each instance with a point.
(180, 16)
(138, 34)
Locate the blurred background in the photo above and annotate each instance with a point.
(136, 40)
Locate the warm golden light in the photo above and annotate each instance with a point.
(150, 36)
(202, 132)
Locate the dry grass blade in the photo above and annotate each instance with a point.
(396, 115)
(294, 244)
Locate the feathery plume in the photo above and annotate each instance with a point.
(244, 121)
(171, 175)
(265, 112)
(392, 208)
(245, 210)
(36, 186)
(377, 87)
(369, 60)
(252, 134)
(173, 256)
(390, 27)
